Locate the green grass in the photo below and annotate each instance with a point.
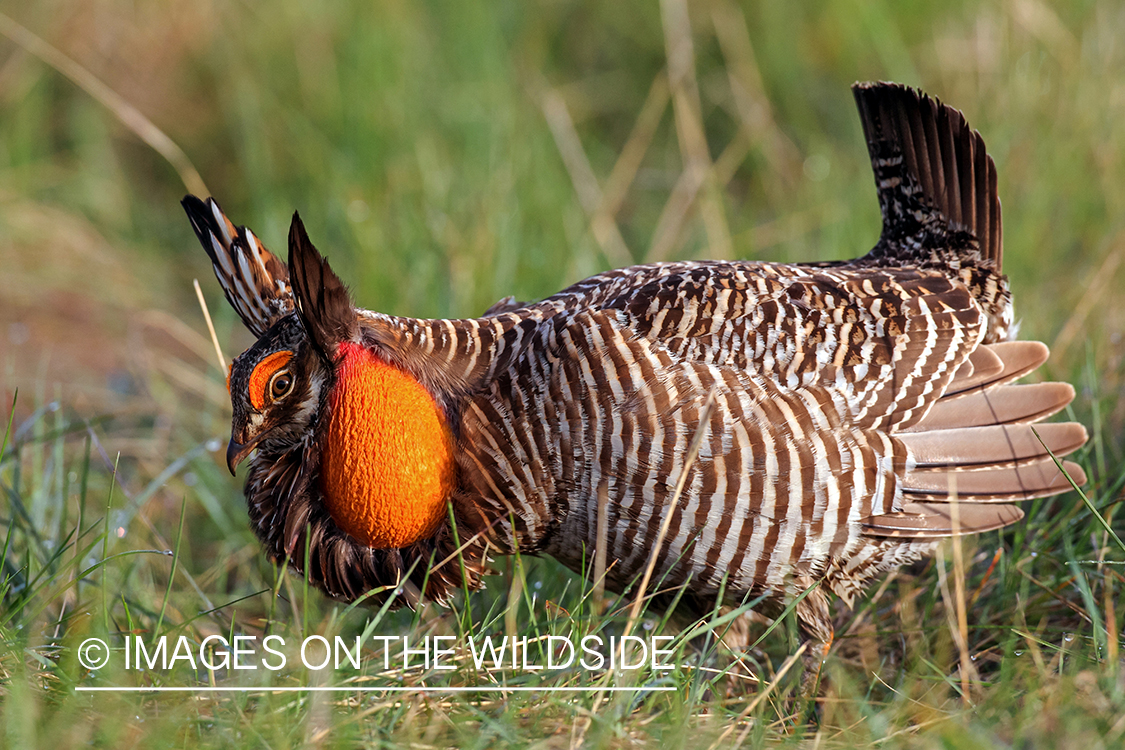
(426, 149)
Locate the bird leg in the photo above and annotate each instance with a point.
(815, 621)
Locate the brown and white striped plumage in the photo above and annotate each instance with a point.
(853, 401)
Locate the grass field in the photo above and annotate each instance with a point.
(445, 155)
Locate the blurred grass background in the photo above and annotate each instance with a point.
(447, 154)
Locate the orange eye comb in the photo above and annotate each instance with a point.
(260, 378)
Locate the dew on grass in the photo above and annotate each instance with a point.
(358, 210)
(817, 167)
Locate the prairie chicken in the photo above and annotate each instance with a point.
(852, 403)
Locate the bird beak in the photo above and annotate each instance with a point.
(237, 452)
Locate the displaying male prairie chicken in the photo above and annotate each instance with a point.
(853, 403)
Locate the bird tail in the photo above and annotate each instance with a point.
(934, 176)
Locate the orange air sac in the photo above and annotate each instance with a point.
(387, 462)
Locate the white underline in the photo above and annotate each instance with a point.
(290, 689)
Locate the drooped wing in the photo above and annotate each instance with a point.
(889, 340)
(589, 403)
(254, 280)
(785, 480)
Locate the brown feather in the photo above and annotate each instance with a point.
(1000, 445)
(1024, 482)
(1018, 358)
(936, 520)
(254, 280)
(323, 301)
(981, 366)
(1009, 404)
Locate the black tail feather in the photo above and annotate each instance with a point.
(934, 176)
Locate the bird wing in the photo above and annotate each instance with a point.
(591, 402)
(899, 352)
(889, 340)
(793, 472)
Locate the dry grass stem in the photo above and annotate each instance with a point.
(750, 99)
(210, 327)
(793, 658)
(129, 115)
(968, 671)
(633, 152)
(1096, 289)
(585, 182)
(689, 460)
(601, 549)
(690, 131)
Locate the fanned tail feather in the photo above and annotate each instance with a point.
(1009, 404)
(922, 521)
(931, 169)
(938, 195)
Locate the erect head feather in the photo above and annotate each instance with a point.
(254, 280)
(323, 302)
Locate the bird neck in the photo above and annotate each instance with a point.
(387, 456)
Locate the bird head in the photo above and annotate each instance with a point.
(276, 384)
(275, 389)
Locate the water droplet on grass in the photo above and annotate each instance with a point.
(358, 210)
(817, 167)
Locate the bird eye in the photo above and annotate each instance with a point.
(280, 385)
